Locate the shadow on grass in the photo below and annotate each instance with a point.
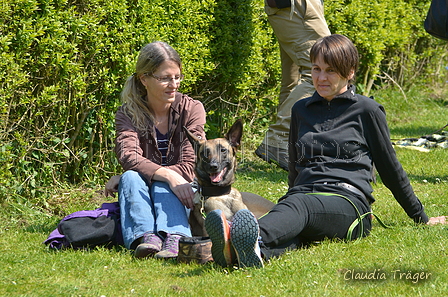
(427, 178)
(414, 132)
(192, 270)
(260, 170)
(441, 100)
(46, 227)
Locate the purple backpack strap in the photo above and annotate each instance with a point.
(87, 213)
(56, 240)
(113, 208)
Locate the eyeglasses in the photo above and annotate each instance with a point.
(166, 79)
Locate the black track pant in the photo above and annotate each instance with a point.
(303, 215)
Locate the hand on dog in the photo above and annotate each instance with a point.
(438, 220)
(112, 186)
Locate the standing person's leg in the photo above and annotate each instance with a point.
(290, 75)
(275, 134)
(296, 34)
(171, 219)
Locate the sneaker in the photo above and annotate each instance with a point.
(170, 248)
(244, 235)
(219, 231)
(151, 244)
(273, 154)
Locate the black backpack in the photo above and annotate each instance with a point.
(88, 228)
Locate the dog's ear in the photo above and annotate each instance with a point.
(194, 140)
(235, 133)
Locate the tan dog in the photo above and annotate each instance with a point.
(215, 173)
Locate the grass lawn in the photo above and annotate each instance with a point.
(404, 260)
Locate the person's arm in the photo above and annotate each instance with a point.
(179, 174)
(180, 187)
(112, 186)
(292, 149)
(128, 150)
(389, 168)
(194, 123)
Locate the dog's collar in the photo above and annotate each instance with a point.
(214, 191)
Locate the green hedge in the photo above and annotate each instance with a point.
(391, 40)
(63, 64)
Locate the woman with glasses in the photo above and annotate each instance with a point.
(155, 193)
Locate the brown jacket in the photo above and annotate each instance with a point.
(139, 153)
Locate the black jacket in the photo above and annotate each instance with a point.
(338, 141)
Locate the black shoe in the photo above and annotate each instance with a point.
(273, 154)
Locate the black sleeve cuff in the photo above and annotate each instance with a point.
(421, 219)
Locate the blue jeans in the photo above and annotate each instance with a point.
(153, 209)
